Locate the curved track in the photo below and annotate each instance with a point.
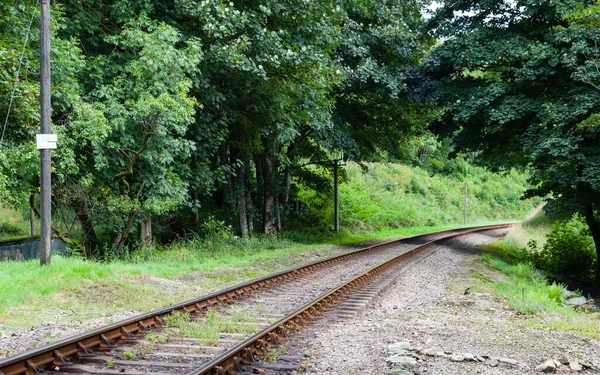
(212, 334)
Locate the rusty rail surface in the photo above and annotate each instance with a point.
(105, 338)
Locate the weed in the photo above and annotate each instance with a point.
(129, 355)
(529, 293)
(483, 278)
(273, 353)
(110, 363)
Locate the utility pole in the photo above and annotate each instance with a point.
(45, 108)
(336, 206)
(465, 205)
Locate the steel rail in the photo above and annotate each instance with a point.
(247, 351)
(104, 338)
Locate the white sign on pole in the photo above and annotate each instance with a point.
(46, 141)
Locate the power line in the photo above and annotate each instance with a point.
(12, 96)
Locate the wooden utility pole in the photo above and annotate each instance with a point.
(45, 108)
(336, 206)
(466, 197)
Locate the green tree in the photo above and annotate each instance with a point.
(512, 77)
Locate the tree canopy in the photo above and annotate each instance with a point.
(167, 110)
(518, 81)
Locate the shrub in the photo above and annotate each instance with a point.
(9, 229)
(568, 254)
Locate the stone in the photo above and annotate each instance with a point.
(405, 345)
(429, 352)
(399, 348)
(457, 358)
(492, 362)
(402, 361)
(575, 366)
(524, 366)
(479, 358)
(585, 364)
(548, 366)
(469, 357)
(399, 371)
(440, 354)
(563, 360)
(557, 364)
(567, 293)
(397, 352)
(508, 360)
(577, 301)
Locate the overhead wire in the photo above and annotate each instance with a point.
(12, 96)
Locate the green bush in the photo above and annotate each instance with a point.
(568, 254)
(8, 229)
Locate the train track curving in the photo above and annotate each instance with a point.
(230, 331)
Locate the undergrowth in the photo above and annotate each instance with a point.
(528, 291)
(12, 224)
(380, 196)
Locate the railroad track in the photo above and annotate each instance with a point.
(229, 331)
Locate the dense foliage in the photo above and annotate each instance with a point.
(171, 114)
(568, 254)
(518, 80)
(168, 111)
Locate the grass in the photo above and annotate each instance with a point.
(526, 289)
(389, 196)
(208, 328)
(13, 226)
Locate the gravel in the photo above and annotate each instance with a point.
(427, 306)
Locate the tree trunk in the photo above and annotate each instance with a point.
(194, 211)
(241, 205)
(249, 207)
(249, 211)
(269, 206)
(90, 239)
(259, 163)
(227, 186)
(594, 225)
(291, 154)
(32, 214)
(123, 236)
(146, 230)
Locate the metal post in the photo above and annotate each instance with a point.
(45, 107)
(336, 207)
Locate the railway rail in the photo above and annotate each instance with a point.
(244, 322)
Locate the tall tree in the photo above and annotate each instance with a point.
(517, 79)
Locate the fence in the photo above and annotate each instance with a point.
(29, 249)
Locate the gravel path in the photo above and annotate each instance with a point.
(428, 307)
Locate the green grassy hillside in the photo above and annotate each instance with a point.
(383, 196)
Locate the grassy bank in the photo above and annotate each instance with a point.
(388, 196)
(507, 272)
(13, 225)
